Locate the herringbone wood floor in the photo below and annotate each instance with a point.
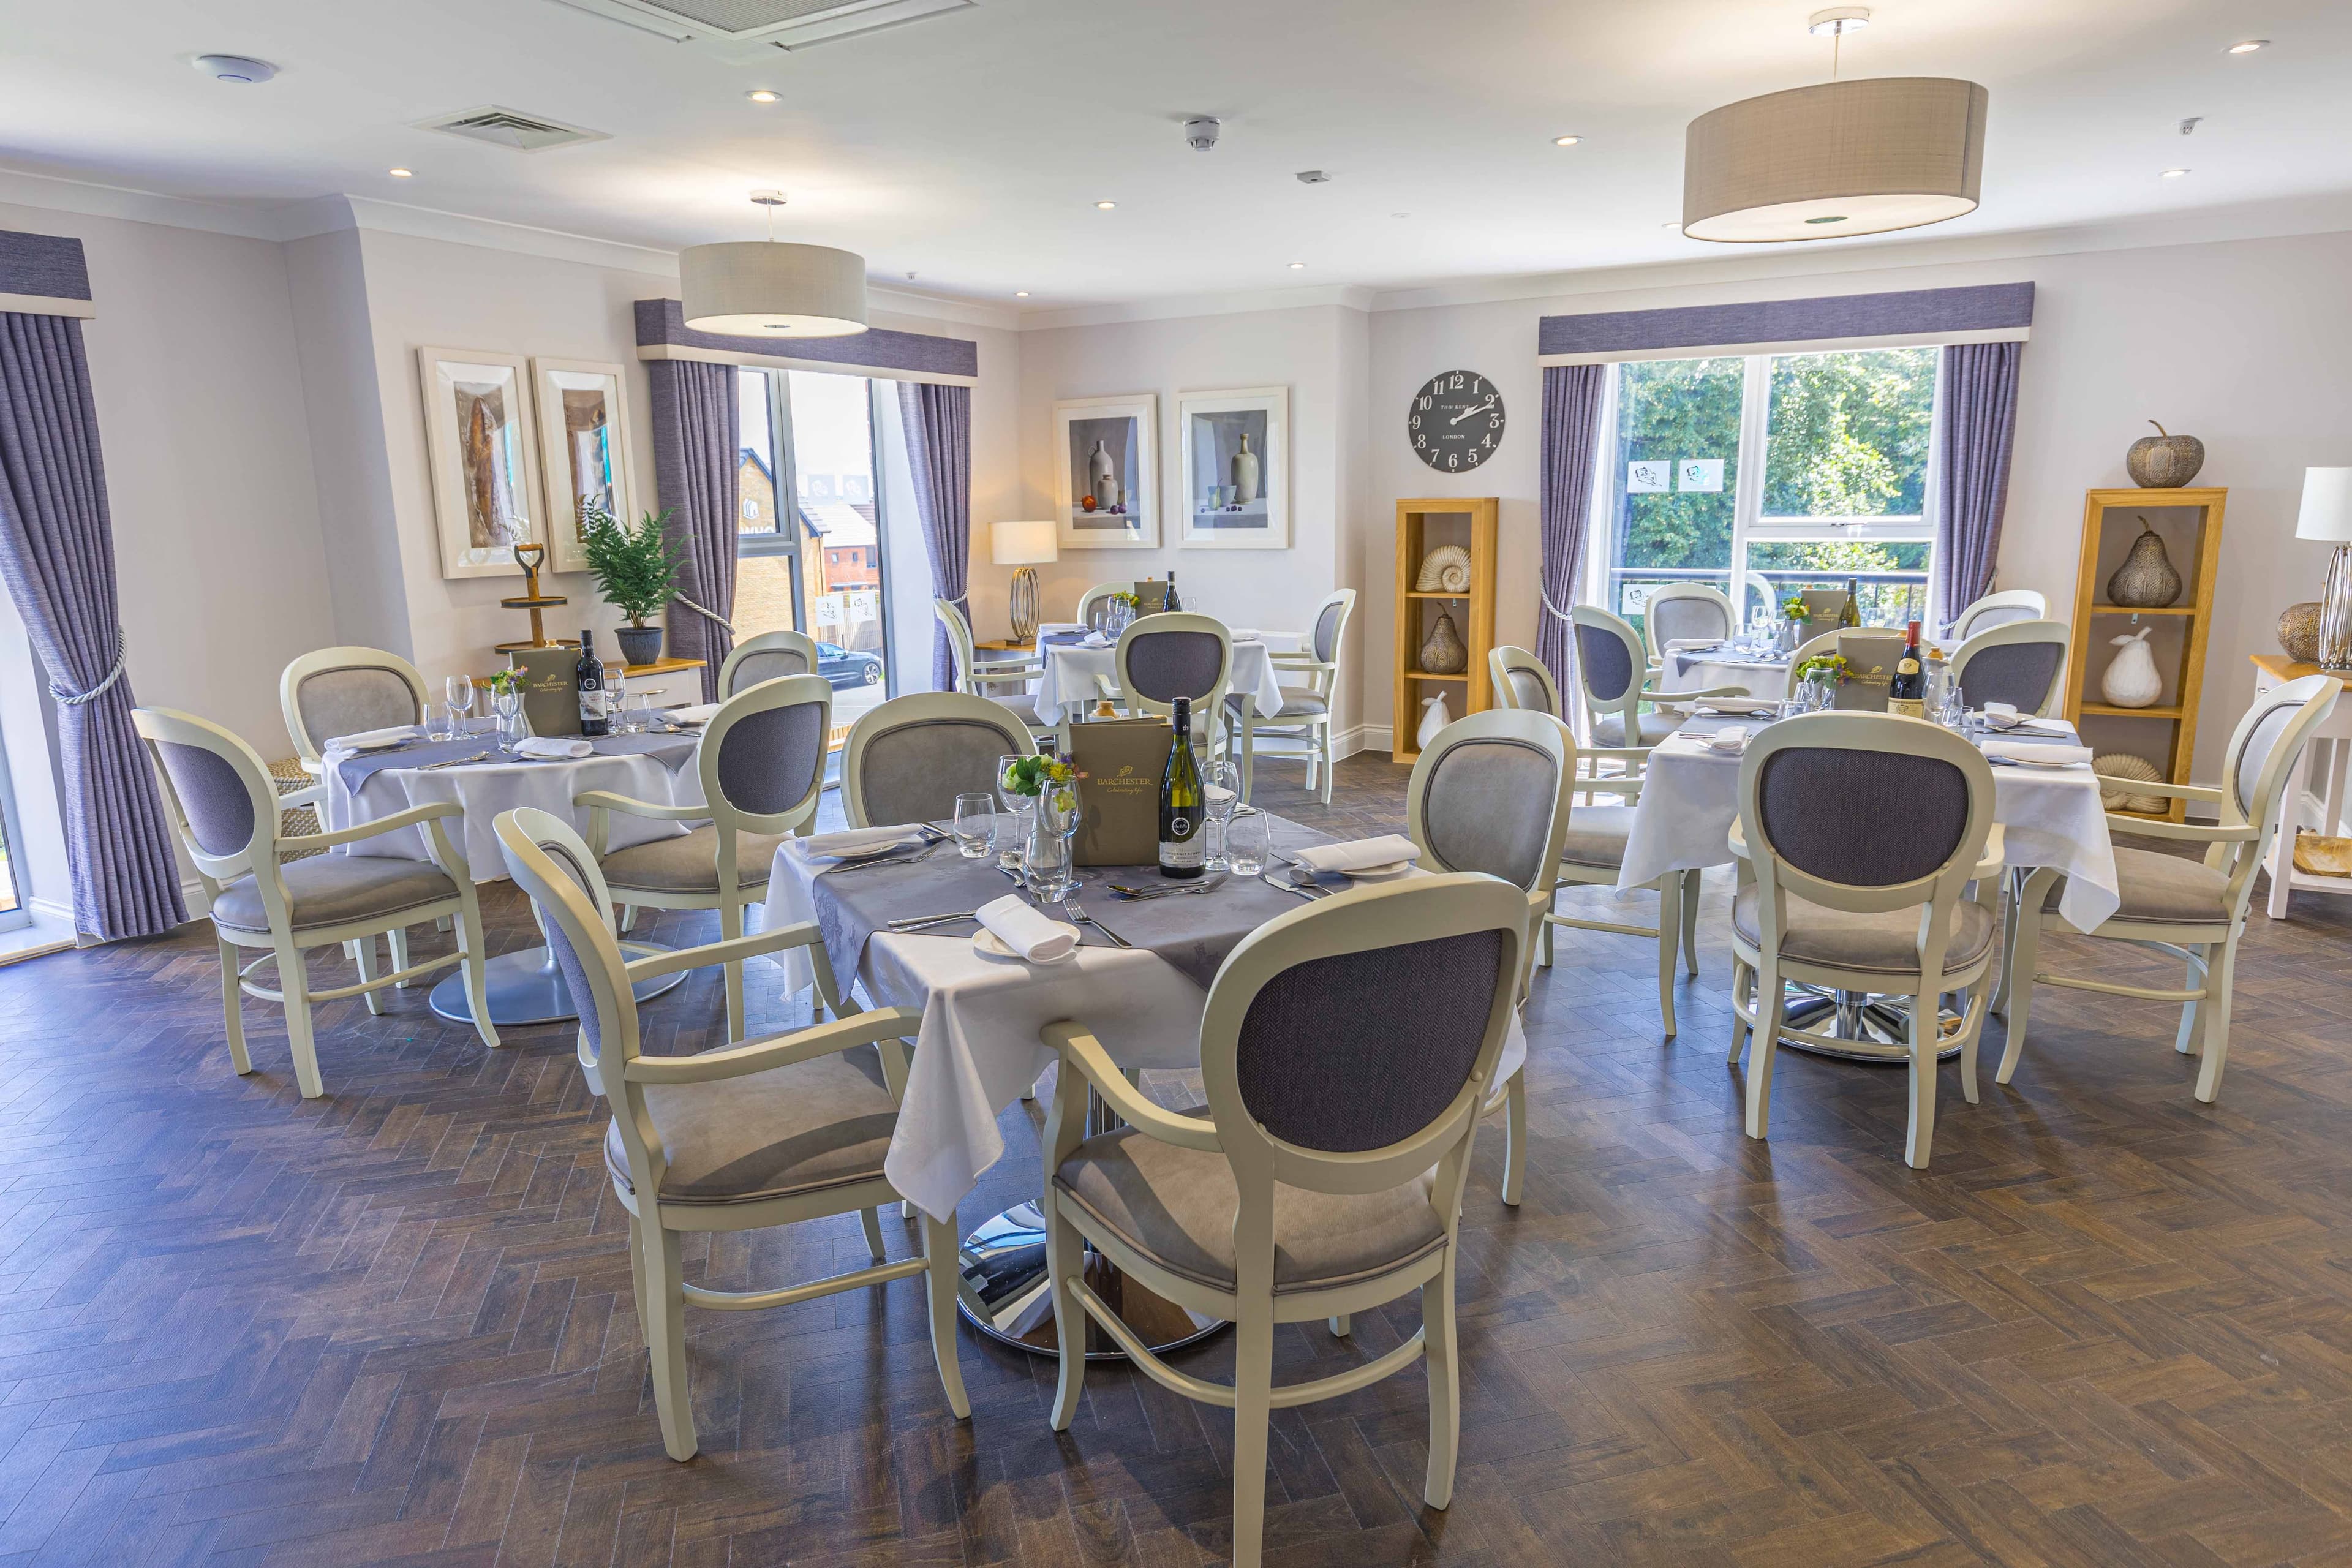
(394, 1325)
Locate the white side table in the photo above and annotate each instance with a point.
(2325, 761)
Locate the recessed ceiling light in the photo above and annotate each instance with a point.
(2172, 173)
(2250, 46)
(763, 95)
(1105, 206)
(1566, 140)
(1298, 265)
(402, 174)
(1021, 293)
(239, 70)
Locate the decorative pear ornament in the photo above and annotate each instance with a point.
(1444, 653)
(2146, 581)
(1433, 719)
(2132, 680)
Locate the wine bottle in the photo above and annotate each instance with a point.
(588, 679)
(1908, 693)
(1850, 614)
(1172, 603)
(1183, 803)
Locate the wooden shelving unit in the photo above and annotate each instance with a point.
(2190, 520)
(1421, 526)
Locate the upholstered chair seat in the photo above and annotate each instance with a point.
(1609, 729)
(1885, 942)
(1596, 837)
(337, 890)
(774, 1134)
(688, 862)
(1297, 702)
(1023, 707)
(2158, 888)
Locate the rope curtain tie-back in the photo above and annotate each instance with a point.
(1548, 604)
(706, 614)
(65, 697)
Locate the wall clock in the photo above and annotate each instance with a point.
(1456, 421)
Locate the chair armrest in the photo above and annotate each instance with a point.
(1080, 1049)
(606, 800)
(1995, 858)
(2180, 792)
(780, 1050)
(2181, 832)
(413, 817)
(1657, 698)
(801, 933)
(316, 767)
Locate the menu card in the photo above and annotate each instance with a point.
(1150, 598)
(1119, 762)
(550, 695)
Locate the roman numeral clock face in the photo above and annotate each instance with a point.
(1456, 421)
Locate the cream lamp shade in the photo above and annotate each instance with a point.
(1021, 544)
(761, 288)
(2326, 512)
(1841, 158)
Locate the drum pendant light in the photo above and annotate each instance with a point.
(1836, 159)
(761, 288)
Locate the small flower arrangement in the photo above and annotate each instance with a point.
(1030, 776)
(503, 681)
(1794, 610)
(1830, 668)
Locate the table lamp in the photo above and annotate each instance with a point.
(2328, 515)
(1019, 544)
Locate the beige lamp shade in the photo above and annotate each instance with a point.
(760, 289)
(1842, 158)
(1021, 544)
(2326, 506)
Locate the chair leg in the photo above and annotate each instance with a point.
(471, 942)
(628, 919)
(1968, 1051)
(940, 1276)
(2026, 954)
(2011, 916)
(396, 941)
(1691, 888)
(1543, 942)
(1439, 1354)
(232, 1009)
(665, 1331)
(1252, 1416)
(1515, 1143)
(1249, 751)
(1065, 1256)
(364, 958)
(1342, 1324)
(731, 926)
(2219, 979)
(1919, 1132)
(1670, 928)
(872, 1220)
(1772, 1001)
(1323, 747)
(638, 1273)
(1739, 976)
(294, 984)
(2192, 1013)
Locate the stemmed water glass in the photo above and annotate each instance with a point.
(506, 702)
(459, 690)
(1223, 783)
(1011, 838)
(1052, 875)
(616, 696)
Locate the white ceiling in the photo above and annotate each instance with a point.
(969, 148)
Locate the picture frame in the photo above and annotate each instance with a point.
(481, 445)
(1113, 440)
(1233, 487)
(586, 449)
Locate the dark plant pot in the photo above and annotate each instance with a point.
(639, 644)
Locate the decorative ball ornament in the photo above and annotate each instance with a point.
(2299, 632)
(2164, 461)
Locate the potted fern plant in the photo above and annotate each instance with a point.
(636, 571)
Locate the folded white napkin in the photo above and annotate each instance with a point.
(2038, 751)
(1360, 855)
(372, 738)
(2000, 715)
(698, 713)
(1025, 930)
(554, 746)
(856, 840)
(1094, 639)
(1730, 738)
(1239, 634)
(1691, 645)
(1746, 706)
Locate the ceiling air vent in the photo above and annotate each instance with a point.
(507, 128)
(755, 29)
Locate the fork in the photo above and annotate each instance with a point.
(871, 864)
(455, 761)
(1085, 919)
(1307, 891)
(918, 921)
(1137, 895)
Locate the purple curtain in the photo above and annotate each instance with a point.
(695, 441)
(939, 451)
(1573, 395)
(57, 551)
(1977, 429)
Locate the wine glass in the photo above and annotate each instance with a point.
(1051, 875)
(459, 690)
(1012, 838)
(1222, 783)
(616, 696)
(506, 702)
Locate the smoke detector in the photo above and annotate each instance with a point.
(511, 128)
(1200, 133)
(238, 69)
(1313, 177)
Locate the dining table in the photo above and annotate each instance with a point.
(1715, 666)
(1140, 979)
(1080, 666)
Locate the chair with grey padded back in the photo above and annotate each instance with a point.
(1094, 605)
(908, 759)
(1613, 666)
(989, 678)
(771, 656)
(1999, 609)
(2193, 911)
(337, 691)
(1175, 653)
(745, 1137)
(1311, 692)
(2022, 663)
(227, 810)
(762, 766)
(1679, 612)
(1491, 793)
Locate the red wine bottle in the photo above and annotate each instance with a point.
(588, 679)
(1908, 693)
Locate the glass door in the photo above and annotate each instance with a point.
(830, 431)
(770, 592)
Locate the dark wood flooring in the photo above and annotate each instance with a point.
(2110, 1326)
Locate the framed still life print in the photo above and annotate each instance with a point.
(1106, 473)
(1236, 472)
(484, 459)
(584, 449)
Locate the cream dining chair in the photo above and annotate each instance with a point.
(336, 691)
(1491, 795)
(227, 810)
(1847, 899)
(1094, 605)
(1998, 610)
(1175, 653)
(750, 1135)
(762, 766)
(1613, 666)
(987, 679)
(908, 759)
(769, 655)
(1683, 610)
(1311, 695)
(1346, 1049)
(2022, 663)
(2193, 910)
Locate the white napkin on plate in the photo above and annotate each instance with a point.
(2037, 751)
(1025, 930)
(1237, 634)
(1730, 738)
(1094, 639)
(372, 738)
(554, 747)
(1691, 645)
(1363, 854)
(857, 840)
(698, 713)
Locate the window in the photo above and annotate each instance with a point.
(1766, 474)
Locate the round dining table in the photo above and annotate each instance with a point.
(1720, 666)
(1080, 668)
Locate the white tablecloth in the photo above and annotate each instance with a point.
(1703, 672)
(1075, 677)
(1691, 797)
(486, 789)
(978, 1049)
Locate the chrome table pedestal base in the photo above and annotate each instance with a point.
(526, 987)
(1871, 1027)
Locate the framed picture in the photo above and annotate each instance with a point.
(584, 449)
(1107, 472)
(1236, 474)
(485, 463)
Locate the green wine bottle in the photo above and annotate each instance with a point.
(1183, 803)
(1851, 615)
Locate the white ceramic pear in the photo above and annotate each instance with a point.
(2132, 679)
(1433, 719)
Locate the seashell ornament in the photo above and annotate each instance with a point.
(1445, 570)
(2123, 765)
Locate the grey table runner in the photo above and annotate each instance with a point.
(1192, 932)
(670, 750)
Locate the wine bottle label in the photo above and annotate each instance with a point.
(1908, 667)
(1909, 710)
(1182, 854)
(593, 705)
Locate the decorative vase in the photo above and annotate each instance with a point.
(1244, 475)
(1444, 653)
(1102, 478)
(2123, 765)
(1433, 719)
(2299, 632)
(2146, 581)
(2164, 461)
(2131, 680)
(639, 644)
(1445, 570)
(1792, 633)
